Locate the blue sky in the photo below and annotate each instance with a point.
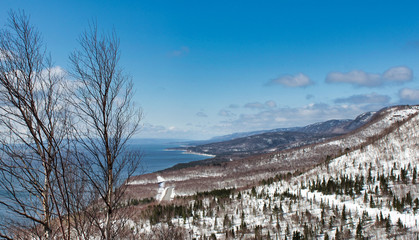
(203, 69)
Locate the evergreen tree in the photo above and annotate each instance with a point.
(399, 224)
(337, 234)
(372, 204)
(331, 222)
(365, 197)
(369, 178)
(344, 213)
(388, 224)
(297, 235)
(359, 230)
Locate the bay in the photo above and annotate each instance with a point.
(156, 156)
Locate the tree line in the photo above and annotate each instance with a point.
(63, 136)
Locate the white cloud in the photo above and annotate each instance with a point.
(409, 95)
(201, 114)
(298, 80)
(397, 74)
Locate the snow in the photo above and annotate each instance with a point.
(160, 179)
(396, 150)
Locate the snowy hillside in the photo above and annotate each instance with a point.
(369, 190)
(250, 170)
(240, 145)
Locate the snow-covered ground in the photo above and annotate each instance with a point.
(285, 208)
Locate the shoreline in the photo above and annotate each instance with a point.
(190, 152)
(195, 153)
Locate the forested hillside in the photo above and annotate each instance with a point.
(368, 192)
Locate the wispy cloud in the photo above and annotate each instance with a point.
(356, 77)
(179, 52)
(258, 105)
(364, 99)
(408, 95)
(295, 116)
(201, 114)
(399, 74)
(254, 105)
(155, 129)
(159, 131)
(289, 117)
(309, 96)
(270, 104)
(226, 113)
(298, 80)
(412, 44)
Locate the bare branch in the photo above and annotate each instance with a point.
(34, 127)
(103, 105)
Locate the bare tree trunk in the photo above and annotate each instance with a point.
(45, 200)
(33, 129)
(103, 104)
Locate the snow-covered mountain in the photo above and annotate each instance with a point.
(336, 126)
(361, 185)
(243, 144)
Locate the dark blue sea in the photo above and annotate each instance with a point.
(156, 157)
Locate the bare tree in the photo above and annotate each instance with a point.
(34, 143)
(107, 119)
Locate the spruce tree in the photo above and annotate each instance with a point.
(359, 230)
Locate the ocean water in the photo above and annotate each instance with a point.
(156, 157)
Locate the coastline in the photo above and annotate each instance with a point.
(195, 153)
(190, 152)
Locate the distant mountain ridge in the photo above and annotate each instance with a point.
(330, 126)
(338, 126)
(241, 144)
